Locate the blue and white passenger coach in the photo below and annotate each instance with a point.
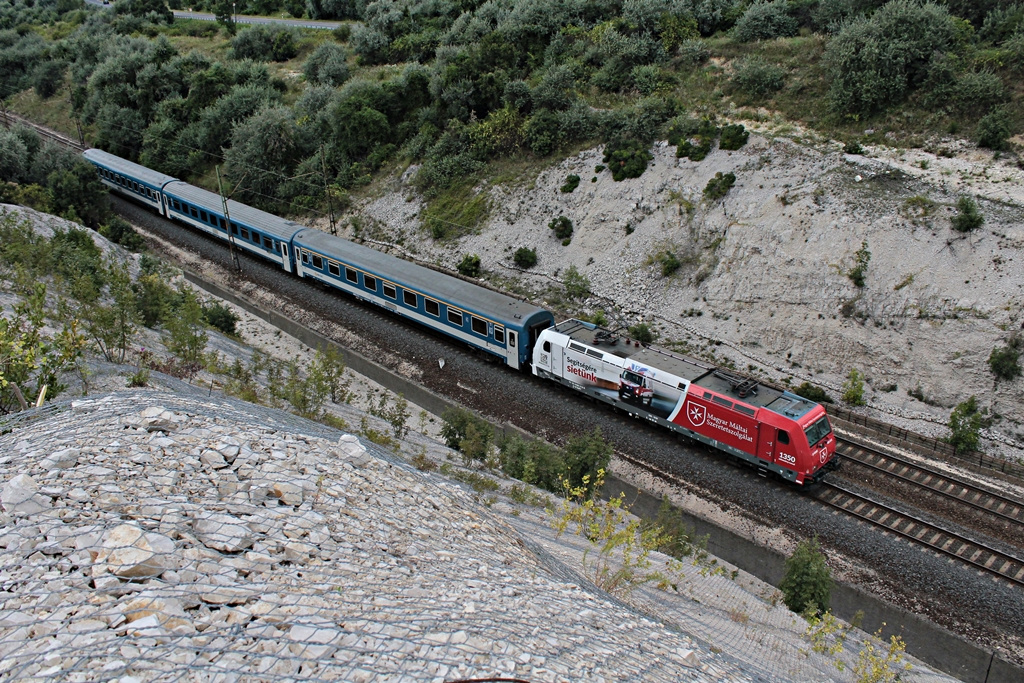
(130, 179)
(484, 319)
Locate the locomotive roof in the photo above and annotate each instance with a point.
(281, 228)
(486, 302)
(700, 373)
(128, 168)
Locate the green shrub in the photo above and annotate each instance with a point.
(469, 266)
(121, 232)
(853, 147)
(812, 393)
(1005, 362)
(719, 186)
(219, 316)
(994, 129)
(47, 78)
(876, 60)
(807, 583)
(525, 258)
(571, 183)
(669, 263)
(562, 227)
(642, 333)
(756, 78)
(734, 136)
(627, 158)
(693, 137)
(467, 433)
(965, 423)
(860, 268)
(853, 388)
(584, 456)
(693, 52)
(577, 285)
(765, 20)
(326, 66)
(533, 462)
(967, 217)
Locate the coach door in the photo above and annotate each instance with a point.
(512, 349)
(286, 262)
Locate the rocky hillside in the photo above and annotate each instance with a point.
(765, 273)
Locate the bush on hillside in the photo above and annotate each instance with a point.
(764, 20)
(525, 258)
(807, 583)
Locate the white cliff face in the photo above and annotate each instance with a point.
(765, 271)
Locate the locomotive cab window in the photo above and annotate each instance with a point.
(479, 326)
(389, 291)
(318, 262)
(409, 298)
(351, 275)
(455, 317)
(334, 268)
(370, 282)
(783, 437)
(432, 307)
(499, 334)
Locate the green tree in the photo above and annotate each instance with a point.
(853, 388)
(562, 227)
(525, 258)
(112, 325)
(995, 128)
(224, 12)
(642, 333)
(1005, 362)
(764, 20)
(807, 583)
(577, 285)
(967, 217)
(327, 65)
(29, 358)
(965, 423)
(585, 456)
(188, 334)
(467, 433)
(469, 266)
(876, 60)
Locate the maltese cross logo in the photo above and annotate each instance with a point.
(696, 413)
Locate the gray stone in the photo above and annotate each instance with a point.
(20, 496)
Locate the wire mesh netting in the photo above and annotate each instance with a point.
(149, 535)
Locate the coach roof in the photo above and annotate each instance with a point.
(127, 168)
(242, 214)
(415, 277)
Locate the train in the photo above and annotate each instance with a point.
(772, 430)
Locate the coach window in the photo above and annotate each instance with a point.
(245, 233)
(409, 298)
(432, 307)
(234, 228)
(318, 262)
(305, 256)
(455, 317)
(223, 224)
(268, 242)
(479, 326)
(389, 291)
(352, 276)
(192, 210)
(334, 269)
(783, 437)
(203, 217)
(499, 334)
(370, 282)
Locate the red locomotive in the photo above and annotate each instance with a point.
(772, 430)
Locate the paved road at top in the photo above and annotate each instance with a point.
(242, 19)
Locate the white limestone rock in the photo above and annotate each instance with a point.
(222, 532)
(20, 496)
(128, 552)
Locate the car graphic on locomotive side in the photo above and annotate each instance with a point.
(774, 431)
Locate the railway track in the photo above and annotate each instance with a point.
(940, 483)
(905, 525)
(8, 119)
